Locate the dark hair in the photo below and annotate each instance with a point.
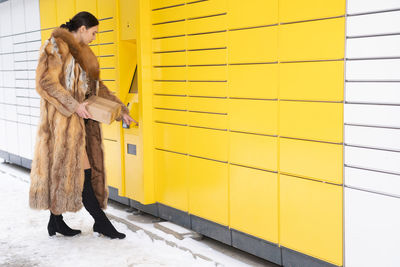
(82, 18)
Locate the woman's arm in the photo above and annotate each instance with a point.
(47, 80)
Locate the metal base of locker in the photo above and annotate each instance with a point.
(15, 159)
(4, 155)
(174, 215)
(150, 209)
(211, 229)
(294, 258)
(26, 163)
(257, 247)
(113, 194)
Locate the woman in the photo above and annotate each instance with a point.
(68, 164)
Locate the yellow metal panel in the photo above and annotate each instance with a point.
(172, 116)
(106, 8)
(294, 10)
(173, 88)
(321, 81)
(87, 5)
(207, 24)
(205, 8)
(108, 74)
(48, 16)
(207, 104)
(311, 218)
(135, 182)
(315, 40)
(168, 14)
(209, 40)
(95, 48)
(45, 35)
(255, 116)
(173, 102)
(112, 159)
(169, 59)
(254, 202)
(253, 13)
(65, 10)
(216, 121)
(106, 25)
(109, 49)
(208, 88)
(207, 143)
(111, 85)
(108, 62)
(111, 131)
(208, 189)
(316, 160)
(127, 19)
(169, 29)
(208, 73)
(171, 175)
(165, 3)
(253, 45)
(253, 81)
(312, 120)
(170, 73)
(169, 44)
(107, 37)
(207, 57)
(171, 137)
(253, 150)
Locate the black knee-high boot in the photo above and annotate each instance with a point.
(57, 224)
(102, 224)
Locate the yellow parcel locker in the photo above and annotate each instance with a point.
(253, 197)
(87, 5)
(253, 81)
(169, 88)
(208, 104)
(169, 29)
(107, 25)
(48, 16)
(311, 218)
(170, 59)
(107, 49)
(208, 73)
(109, 74)
(318, 81)
(169, 44)
(196, 9)
(209, 40)
(170, 73)
(209, 120)
(218, 89)
(111, 131)
(314, 40)
(253, 45)
(107, 37)
(207, 57)
(112, 161)
(253, 150)
(254, 116)
(106, 8)
(168, 14)
(253, 13)
(171, 137)
(108, 61)
(295, 10)
(208, 189)
(311, 120)
(155, 4)
(208, 143)
(171, 102)
(315, 160)
(170, 116)
(65, 11)
(207, 24)
(171, 176)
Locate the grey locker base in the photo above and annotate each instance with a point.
(251, 244)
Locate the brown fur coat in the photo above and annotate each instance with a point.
(67, 73)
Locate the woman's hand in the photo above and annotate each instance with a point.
(128, 119)
(82, 112)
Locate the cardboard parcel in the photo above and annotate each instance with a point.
(103, 110)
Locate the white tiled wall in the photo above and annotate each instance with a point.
(372, 133)
(20, 42)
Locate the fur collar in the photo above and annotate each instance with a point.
(81, 52)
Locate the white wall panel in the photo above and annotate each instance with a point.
(373, 181)
(372, 235)
(372, 159)
(373, 92)
(360, 6)
(17, 16)
(33, 138)
(10, 96)
(372, 24)
(378, 115)
(5, 18)
(373, 47)
(372, 137)
(6, 44)
(384, 69)
(24, 145)
(12, 137)
(32, 16)
(3, 140)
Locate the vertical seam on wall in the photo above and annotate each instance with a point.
(278, 137)
(344, 132)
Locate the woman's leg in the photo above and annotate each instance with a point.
(101, 223)
(57, 224)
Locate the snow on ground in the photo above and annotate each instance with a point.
(24, 240)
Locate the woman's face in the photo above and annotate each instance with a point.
(87, 36)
